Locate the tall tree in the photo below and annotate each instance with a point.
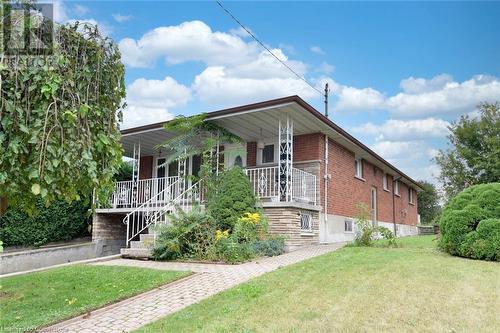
(59, 113)
(428, 202)
(474, 153)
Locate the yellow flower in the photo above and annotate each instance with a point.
(251, 218)
(221, 235)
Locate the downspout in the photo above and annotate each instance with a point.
(394, 180)
(325, 177)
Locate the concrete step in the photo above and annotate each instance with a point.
(147, 237)
(136, 253)
(146, 244)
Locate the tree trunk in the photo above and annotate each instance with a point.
(3, 205)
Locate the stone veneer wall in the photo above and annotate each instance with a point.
(284, 219)
(109, 233)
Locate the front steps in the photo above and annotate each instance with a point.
(141, 249)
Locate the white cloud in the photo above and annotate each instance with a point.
(404, 130)
(441, 95)
(121, 18)
(354, 99)
(316, 49)
(189, 41)
(240, 32)
(103, 28)
(59, 9)
(215, 86)
(149, 101)
(395, 150)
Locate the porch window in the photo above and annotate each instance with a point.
(358, 168)
(268, 154)
(196, 164)
(305, 221)
(160, 168)
(173, 169)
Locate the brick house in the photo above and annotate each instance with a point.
(309, 173)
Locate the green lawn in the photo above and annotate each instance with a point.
(414, 288)
(36, 299)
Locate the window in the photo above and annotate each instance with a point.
(268, 154)
(385, 182)
(410, 195)
(358, 168)
(305, 221)
(348, 226)
(160, 168)
(396, 187)
(173, 169)
(196, 164)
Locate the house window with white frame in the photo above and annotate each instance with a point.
(396, 187)
(410, 195)
(268, 154)
(384, 181)
(347, 225)
(358, 168)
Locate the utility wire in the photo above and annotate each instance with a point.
(267, 49)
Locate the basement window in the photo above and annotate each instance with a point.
(348, 226)
(305, 221)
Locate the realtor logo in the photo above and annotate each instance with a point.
(27, 29)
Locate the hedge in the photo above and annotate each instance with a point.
(470, 223)
(59, 222)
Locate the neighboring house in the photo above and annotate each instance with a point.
(309, 173)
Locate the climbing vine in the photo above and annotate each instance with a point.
(59, 114)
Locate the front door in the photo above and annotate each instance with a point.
(373, 205)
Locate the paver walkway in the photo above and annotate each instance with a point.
(209, 279)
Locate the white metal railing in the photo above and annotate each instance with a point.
(303, 186)
(265, 184)
(128, 194)
(143, 215)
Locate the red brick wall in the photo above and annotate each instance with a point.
(251, 154)
(308, 147)
(146, 167)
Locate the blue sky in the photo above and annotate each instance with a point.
(399, 71)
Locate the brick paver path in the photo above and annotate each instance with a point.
(209, 279)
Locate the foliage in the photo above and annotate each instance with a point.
(470, 223)
(38, 299)
(124, 172)
(270, 247)
(428, 203)
(231, 198)
(59, 137)
(231, 251)
(189, 235)
(58, 222)
(474, 155)
(250, 227)
(366, 231)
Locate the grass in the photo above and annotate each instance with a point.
(38, 299)
(414, 288)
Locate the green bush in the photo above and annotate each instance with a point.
(189, 235)
(366, 232)
(470, 223)
(58, 222)
(270, 247)
(231, 251)
(232, 197)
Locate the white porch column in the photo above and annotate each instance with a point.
(285, 143)
(135, 172)
(181, 172)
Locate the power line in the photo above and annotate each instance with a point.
(267, 49)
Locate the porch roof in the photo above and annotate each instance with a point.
(260, 121)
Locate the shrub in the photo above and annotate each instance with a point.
(58, 222)
(189, 235)
(470, 223)
(232, 197)
(229, 250)
(250, 227)
(366, 232)
(270, 247)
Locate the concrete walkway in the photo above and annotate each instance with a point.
(209, 279)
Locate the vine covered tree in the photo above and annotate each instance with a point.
(474, 153)
(59, 114)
